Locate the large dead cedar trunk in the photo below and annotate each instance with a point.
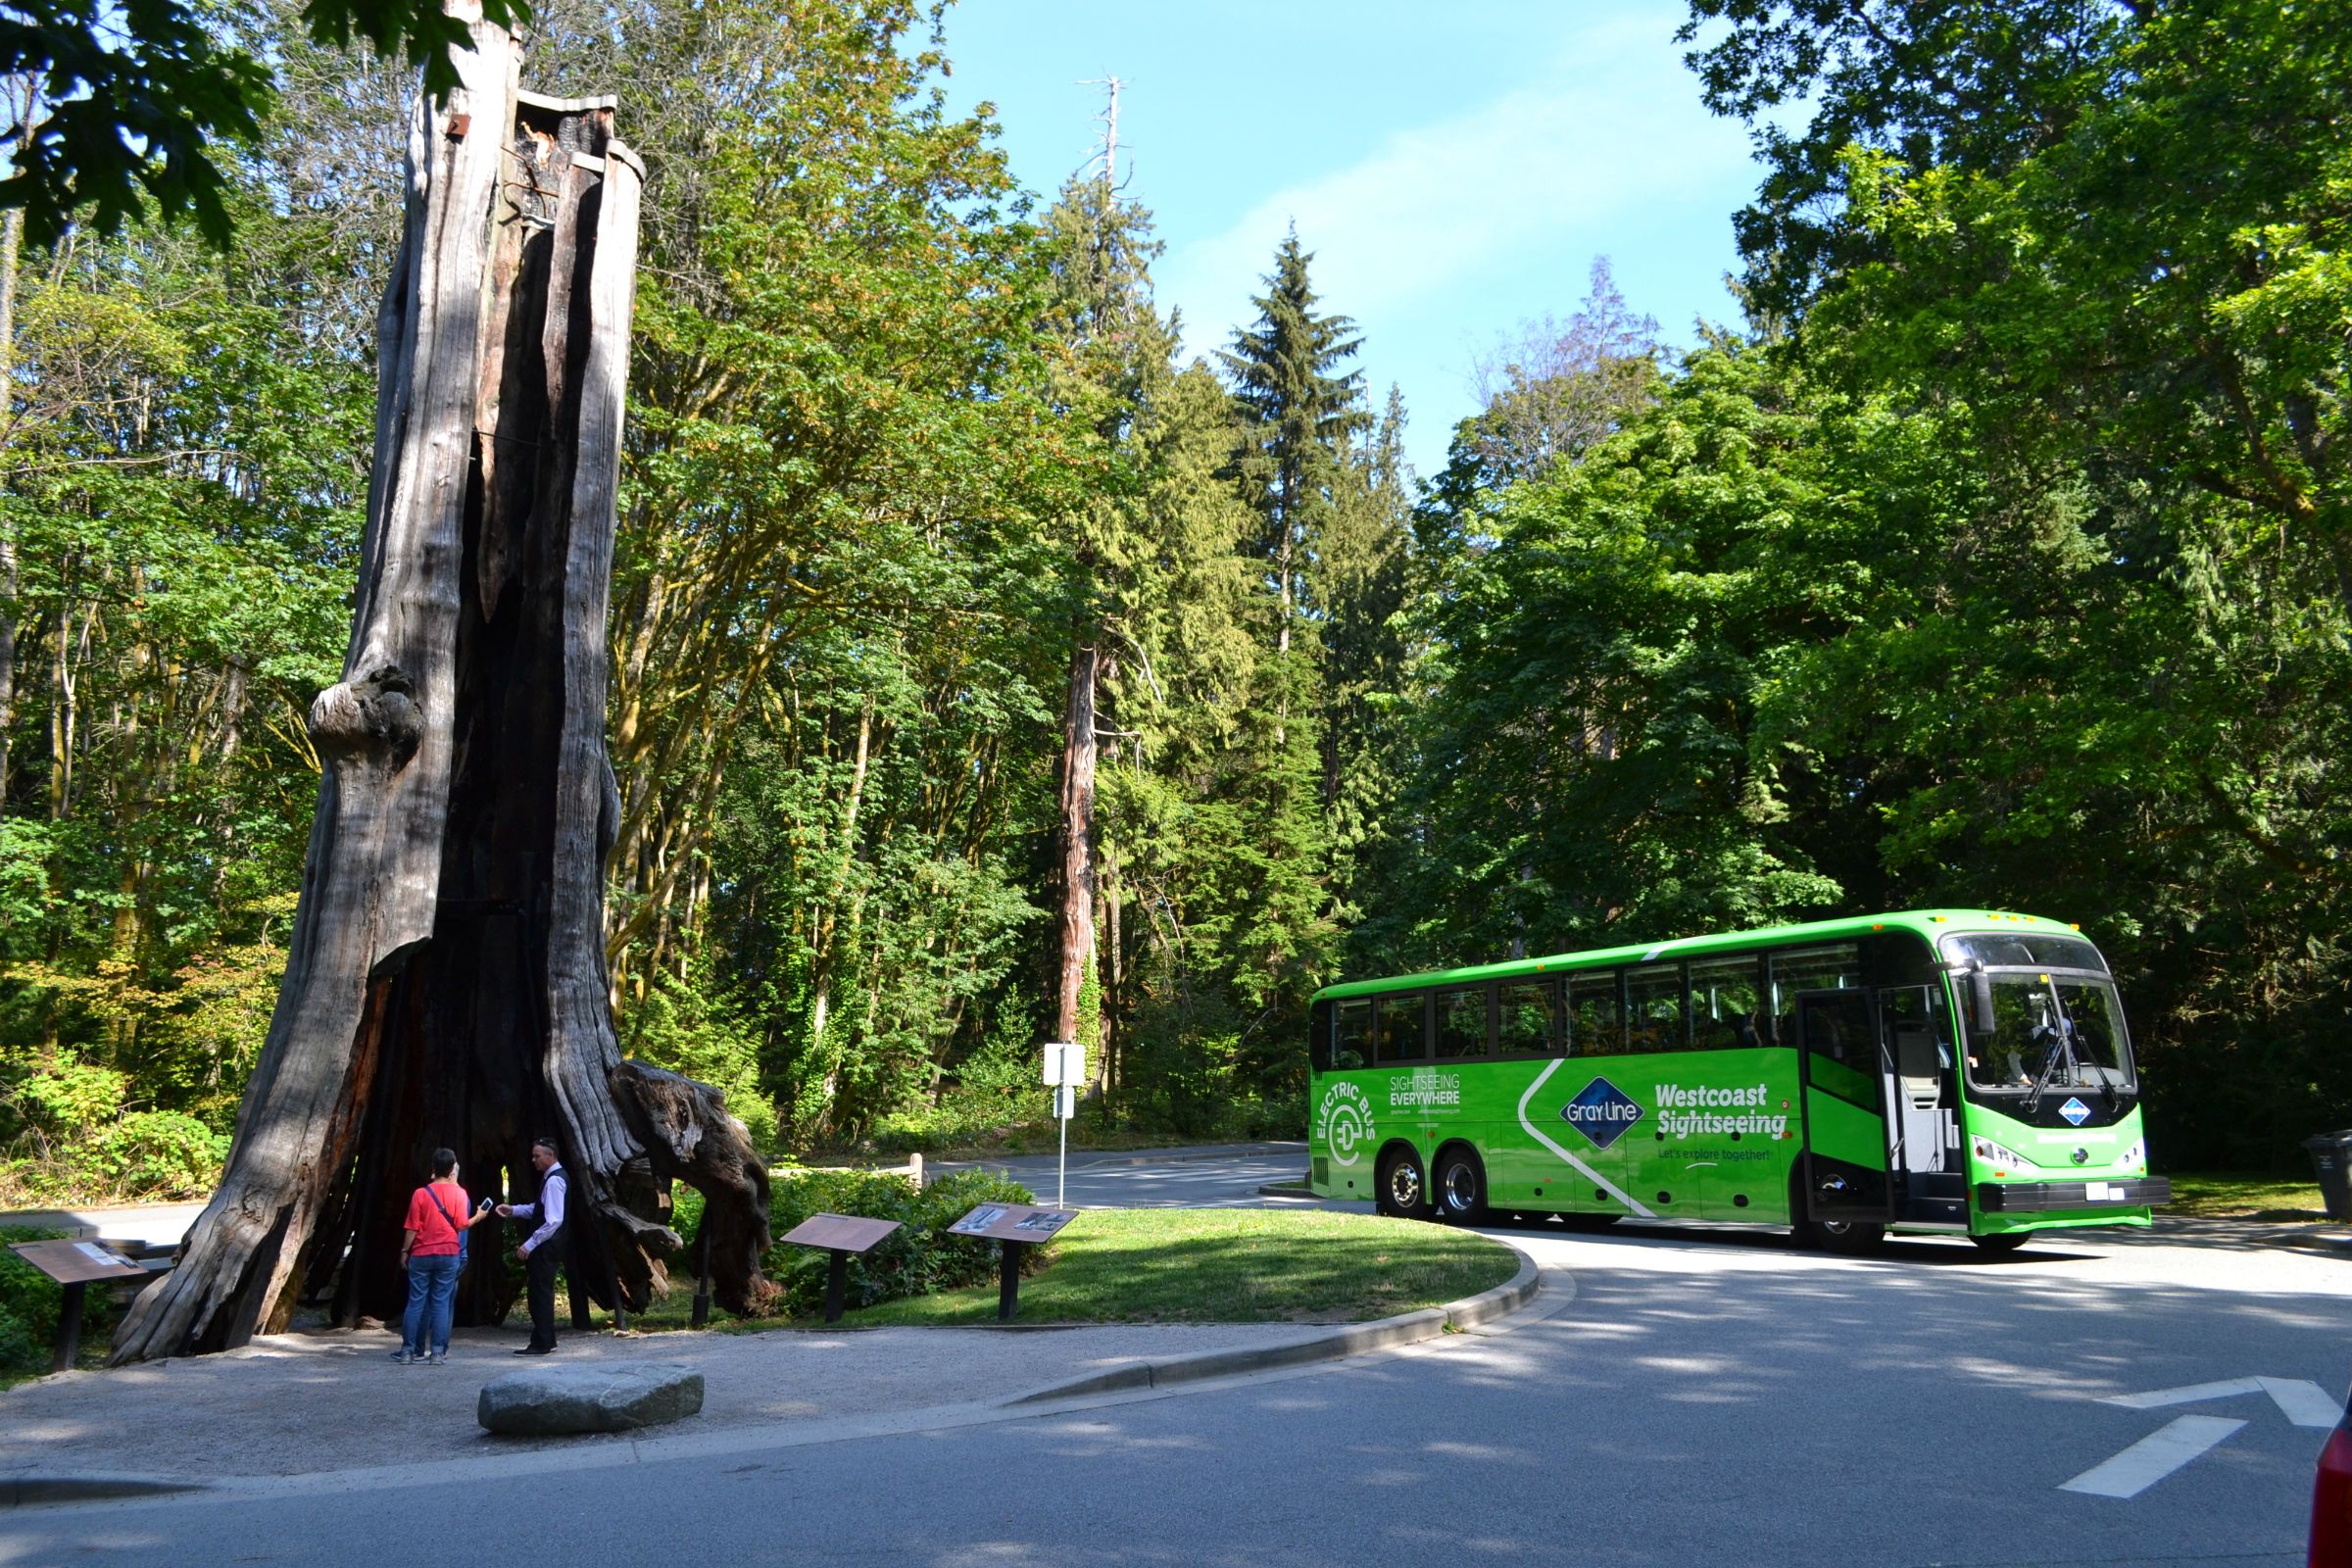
(447, 983)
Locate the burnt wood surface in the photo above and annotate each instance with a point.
(446, 984)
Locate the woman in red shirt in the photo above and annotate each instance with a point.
(432, 1251)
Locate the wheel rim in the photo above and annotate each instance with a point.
(1461, 1187)
(1404, 1184)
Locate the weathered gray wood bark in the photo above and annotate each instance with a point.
(445, 983)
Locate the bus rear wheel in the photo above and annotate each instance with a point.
(1461, 1188)
(1402, 1193)
(2005, 1241)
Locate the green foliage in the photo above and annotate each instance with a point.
(30, 1302)
(918, 1258)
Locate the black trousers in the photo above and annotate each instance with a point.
(540, 1270)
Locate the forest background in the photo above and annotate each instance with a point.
(984, 670)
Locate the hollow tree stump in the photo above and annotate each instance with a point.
(445, 983)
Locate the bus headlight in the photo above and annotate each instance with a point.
(2137, 1156)
(2007, 1159)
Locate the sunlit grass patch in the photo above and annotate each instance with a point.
(1230, 1266)
(2236, 1195)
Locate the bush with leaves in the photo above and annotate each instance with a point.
(916, 1260)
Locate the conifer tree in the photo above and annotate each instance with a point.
(1298, 410)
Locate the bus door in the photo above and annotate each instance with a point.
(1925, 1092)
(1844, 1071)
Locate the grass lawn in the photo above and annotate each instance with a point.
(1230, 1266)
(1199, 1265)
(2235, 1195)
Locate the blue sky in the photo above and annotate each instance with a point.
(1454, 169)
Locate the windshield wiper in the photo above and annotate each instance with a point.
(2062, 1048)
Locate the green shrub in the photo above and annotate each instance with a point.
(29, 1304)
(918, 1258)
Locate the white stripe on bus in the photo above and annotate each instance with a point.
(1589, 1173)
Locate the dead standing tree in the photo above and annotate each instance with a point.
(446, 981)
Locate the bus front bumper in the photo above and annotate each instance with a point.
(2042, 1198)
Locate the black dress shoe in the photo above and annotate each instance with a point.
(534, 1349)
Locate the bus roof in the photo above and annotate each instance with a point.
(1928, 923)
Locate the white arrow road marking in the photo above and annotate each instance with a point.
(2154, 1456)
(2299, 1399)
(2304, 1401)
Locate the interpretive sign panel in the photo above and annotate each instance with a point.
(841, 1233)
(76, 1262)
(1012, 1222)
(77, 1266)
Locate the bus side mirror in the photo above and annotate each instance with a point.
(1981, 1020)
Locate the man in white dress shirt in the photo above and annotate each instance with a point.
(542, 1251)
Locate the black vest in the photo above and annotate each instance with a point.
(555, 1242)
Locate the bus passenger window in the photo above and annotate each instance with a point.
(1654, 1008)
(1403, 1036)
(1836, 968)
(1727, 1004)
(1351, 1036)
(1595, 1022)
(1463, 1022)
(1523, 1019)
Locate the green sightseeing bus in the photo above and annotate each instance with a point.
(1941, 1071)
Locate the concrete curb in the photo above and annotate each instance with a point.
(1353, 1340)
(23, 1491)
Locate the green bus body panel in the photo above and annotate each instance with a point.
(1681, 1156)
(1718, 1133)
(1845, 1131)
(2120, 1150)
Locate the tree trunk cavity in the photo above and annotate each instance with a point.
(446, 984)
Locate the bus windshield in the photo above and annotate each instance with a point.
(2053, 1031)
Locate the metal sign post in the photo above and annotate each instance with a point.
(1018, 1227)
(76, 1265)
(1066, 1070)
(840, 1235)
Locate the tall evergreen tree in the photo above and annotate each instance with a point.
(1299, 409)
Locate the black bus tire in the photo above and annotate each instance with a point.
(1461, 1189)
(1852, 1235)
(2005, 1241)
(1401, 1191)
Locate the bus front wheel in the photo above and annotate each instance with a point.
(1403, 1194)
(2006, 1242)
(1461, 1187)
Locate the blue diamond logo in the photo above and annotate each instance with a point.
(1601, 1111)
(2075, 1111)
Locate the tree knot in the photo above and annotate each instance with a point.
(372, 718)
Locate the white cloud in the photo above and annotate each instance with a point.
(1536, 182)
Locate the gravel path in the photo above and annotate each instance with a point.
(310, 1401)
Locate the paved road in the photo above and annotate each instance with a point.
(1225, 1176)
(1679, 1397)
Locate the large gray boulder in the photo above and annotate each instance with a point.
(617, 1396)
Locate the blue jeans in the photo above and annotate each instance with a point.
(433, 1289)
